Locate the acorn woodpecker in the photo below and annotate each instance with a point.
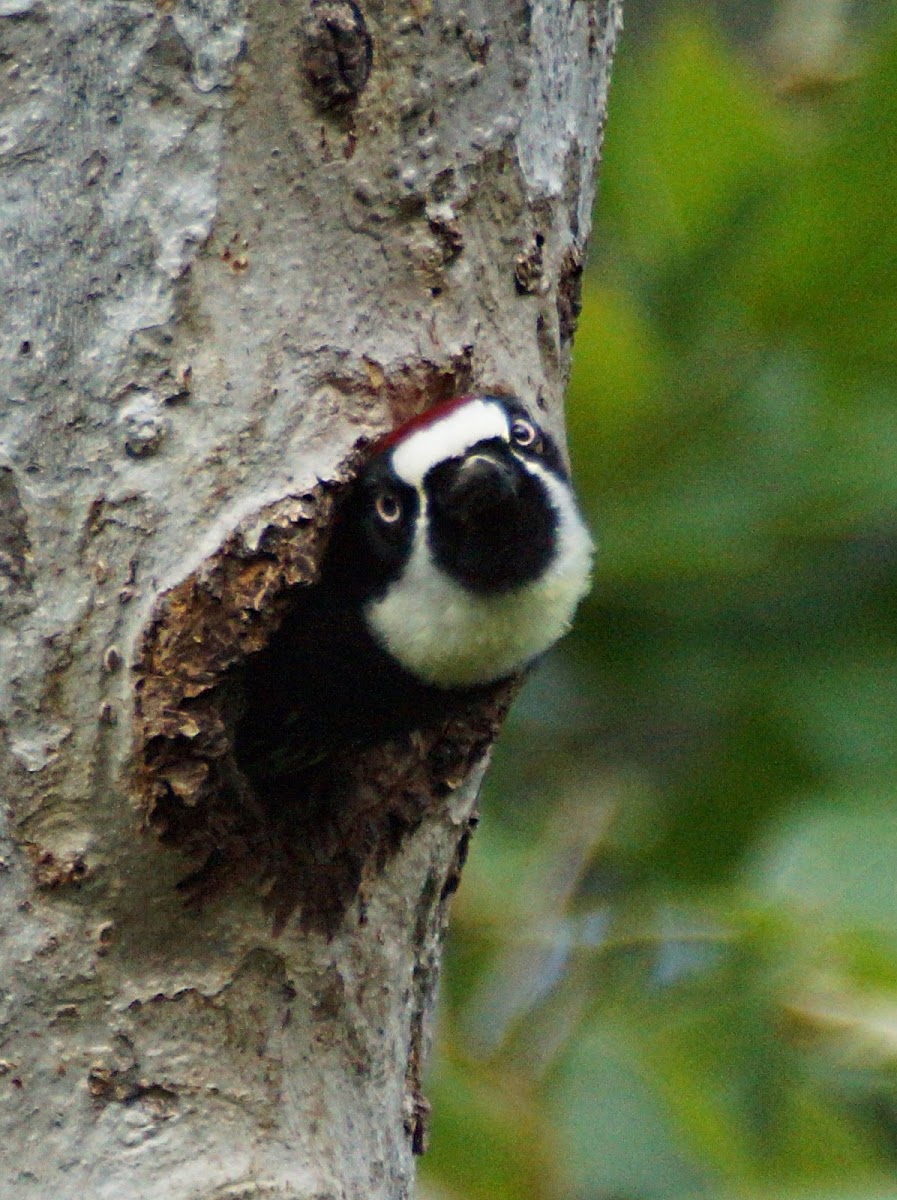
(457, 558)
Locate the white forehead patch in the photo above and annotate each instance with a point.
(449, 437)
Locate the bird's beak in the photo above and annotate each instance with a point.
(483, 481)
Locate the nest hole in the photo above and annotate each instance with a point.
(311, 850)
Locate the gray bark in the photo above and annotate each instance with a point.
(235, 241)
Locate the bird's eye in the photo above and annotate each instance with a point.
(523, 432)
(389, 507)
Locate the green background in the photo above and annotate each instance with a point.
(672, 968)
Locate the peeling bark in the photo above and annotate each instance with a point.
(238, 242)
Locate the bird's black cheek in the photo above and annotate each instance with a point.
(366, 553)
(388, 543)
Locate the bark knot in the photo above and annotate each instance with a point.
(339, 52)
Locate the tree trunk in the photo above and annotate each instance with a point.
(235, 243)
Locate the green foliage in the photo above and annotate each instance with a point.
(673, 963)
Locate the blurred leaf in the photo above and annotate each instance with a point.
(826, 260)
(836, 863)
(618, 388)
(690, 136)
(489, 1140)
(751, 770)
(615, 1125)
